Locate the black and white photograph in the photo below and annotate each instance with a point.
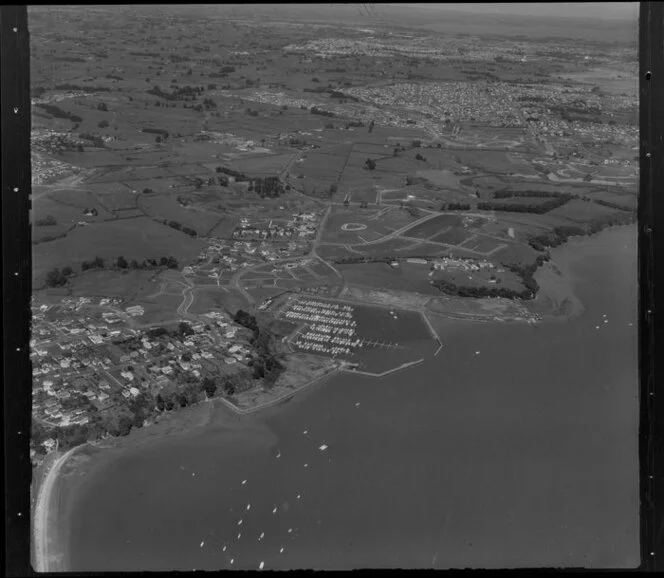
(334, 286)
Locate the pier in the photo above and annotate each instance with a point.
(388, 372)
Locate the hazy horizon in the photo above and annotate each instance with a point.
(603, 11)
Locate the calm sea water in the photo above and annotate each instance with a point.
(522, 455)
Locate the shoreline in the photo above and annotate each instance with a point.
(282, 397)
(48, 511)
(44, 558)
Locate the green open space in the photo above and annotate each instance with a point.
(126, 285)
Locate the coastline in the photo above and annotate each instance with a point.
(256, 399)
(557, 303)
(48, 554)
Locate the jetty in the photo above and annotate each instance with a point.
(352, 369)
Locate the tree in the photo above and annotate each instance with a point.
(67, 271)
(185, 328)
(102, 124)
(370, 164)
(54, 278)
(124, 425)
(209, 386)
(102, 106)
(121, 262)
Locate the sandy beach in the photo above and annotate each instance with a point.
(47, 551)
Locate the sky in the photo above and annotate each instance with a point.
(600, 10)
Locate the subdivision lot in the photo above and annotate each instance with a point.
(434, 226)
(481, 244)
(452, 236)
(209, 299)
(377, 222)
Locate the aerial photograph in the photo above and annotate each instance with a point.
(334, 286)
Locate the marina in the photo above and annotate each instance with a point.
(343, 330)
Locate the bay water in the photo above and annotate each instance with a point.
(516, 446)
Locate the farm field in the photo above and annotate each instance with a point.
(127, 285)
(139, 238)
(167, 207)
(405, 277)
(441, 178)
(581, 211)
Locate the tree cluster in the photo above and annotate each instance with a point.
(58, 277)
(159, 131)
(611, 205)
(179, 227)
(455, 207)
(69, 86)
(370, 164)
(270, 187)
(506, 194)
(57, 112)
(560, 235)
(321, 112)
(46, 221)
(536, 208)
(94, 139)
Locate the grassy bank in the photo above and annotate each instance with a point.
(303, 370)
